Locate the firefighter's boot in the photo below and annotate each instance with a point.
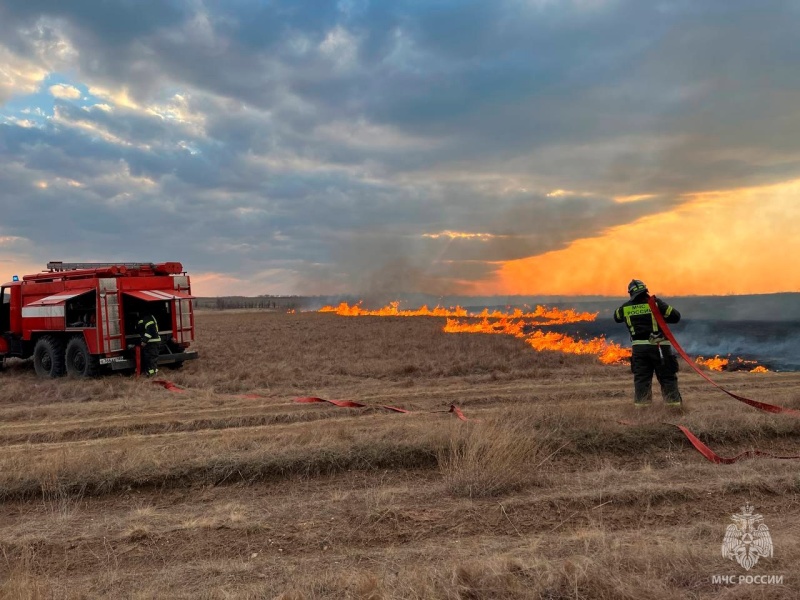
(671, 394)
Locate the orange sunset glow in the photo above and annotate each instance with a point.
(718, 243)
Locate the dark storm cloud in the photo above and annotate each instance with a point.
(123, 20)
(333, 140)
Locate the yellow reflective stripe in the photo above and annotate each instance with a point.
(648, 343)
(669, 311)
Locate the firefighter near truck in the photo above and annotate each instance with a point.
(80, 319)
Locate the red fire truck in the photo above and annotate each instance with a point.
(79, 318)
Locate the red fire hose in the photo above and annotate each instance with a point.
(707, 452)
(668, 334)
(350, 404)
(720, 460)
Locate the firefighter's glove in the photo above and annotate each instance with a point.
(657, 338)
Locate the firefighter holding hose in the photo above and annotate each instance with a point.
(149, 340)
(651, 352)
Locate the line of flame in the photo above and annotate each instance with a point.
(548, 316)
(719, 364)
(523, 324)
(607, 352)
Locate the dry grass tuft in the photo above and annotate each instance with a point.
(498, 579)
(20, 581)
(495, 457)
(23, 585)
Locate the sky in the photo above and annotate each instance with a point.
(436, 146)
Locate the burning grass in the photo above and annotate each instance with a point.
(728, 364)
(540, 314)
(527, 324)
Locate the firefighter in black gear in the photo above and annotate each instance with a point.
(651, 351)
(149, 340)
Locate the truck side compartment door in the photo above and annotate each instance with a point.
(5, 310)
(112, 337)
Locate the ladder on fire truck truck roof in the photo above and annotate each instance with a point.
(58, 266)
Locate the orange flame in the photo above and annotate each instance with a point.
(551, 316)
(393, 310)
(721, 364)
(714, 364)
(503, 325)
(525, 324)
(607, 352)
(507, 323)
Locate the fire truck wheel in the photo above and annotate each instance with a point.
(48, 357)
(80, 363)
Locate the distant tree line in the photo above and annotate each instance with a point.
(239, 302)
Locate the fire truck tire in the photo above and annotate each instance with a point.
(48, 357)
(80, 363)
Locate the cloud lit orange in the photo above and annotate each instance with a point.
(733, 242)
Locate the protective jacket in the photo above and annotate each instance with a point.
(147, 328)
(641, 322)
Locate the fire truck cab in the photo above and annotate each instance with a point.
(79, 318)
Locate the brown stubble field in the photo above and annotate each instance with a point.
(116, 488)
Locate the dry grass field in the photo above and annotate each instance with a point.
(117, 488)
